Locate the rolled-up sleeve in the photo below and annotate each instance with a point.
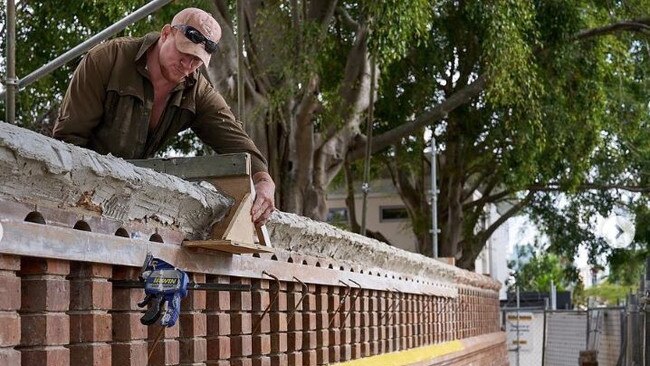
(216, 126)
(82, 107)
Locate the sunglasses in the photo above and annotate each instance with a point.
(197, 37)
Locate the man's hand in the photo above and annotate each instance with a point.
(264, 204)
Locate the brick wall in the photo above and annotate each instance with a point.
(58, 312)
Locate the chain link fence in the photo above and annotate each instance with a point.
(541, 337)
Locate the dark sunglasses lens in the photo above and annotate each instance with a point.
(210, 46)
(194, 35)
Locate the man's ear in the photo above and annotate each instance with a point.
(165, 32)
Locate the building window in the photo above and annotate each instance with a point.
(337, 215)
(393, 213)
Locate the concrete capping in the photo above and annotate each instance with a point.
(302, 235)
(40, 170)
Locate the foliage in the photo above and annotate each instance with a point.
(610, 293)
(535, 270)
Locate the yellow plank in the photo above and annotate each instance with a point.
(407, 357)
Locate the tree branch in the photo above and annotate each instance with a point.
(347, 19)
(555, 187)
(507, 215)
(462, 96)
(634, 25)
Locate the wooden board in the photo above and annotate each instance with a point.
(227, 246)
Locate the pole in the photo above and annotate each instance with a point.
(434, 196)
(240, 62)
(646, 307)
(11, 84)
(365, 187)
(518, 345)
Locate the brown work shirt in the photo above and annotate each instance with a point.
(109, 102)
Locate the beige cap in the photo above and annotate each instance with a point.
(204, 23)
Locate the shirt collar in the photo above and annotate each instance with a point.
(141, 61)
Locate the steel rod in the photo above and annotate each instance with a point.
(89, 43)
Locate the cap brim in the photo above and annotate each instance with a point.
(186, 46)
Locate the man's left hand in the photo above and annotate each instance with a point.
(264, 204)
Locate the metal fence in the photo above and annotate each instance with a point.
(541, 337)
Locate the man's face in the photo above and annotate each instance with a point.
(175, 65)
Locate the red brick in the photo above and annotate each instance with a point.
(9, 357)
(323, 320)
(279, 359)
(309, 303)
(94, 270)
(240, 323)
(127, 326)
(9, 291)
(356, 335)
(129, 354)
(293, 299)
(309, 340)
(322, 335)
(322, 356)
(261, 324)
(168, 332)
(218, 300)
(45, 329)
(193, 324)
(195, 300)
(193, 350)
(261, 344)
(166, 352)
(321, 302)
(309, 321)
(261, 361)
(334, 354)
(218, 348)
(294, 341)
(45, 356)
(37, 266)
(126, 273)
(294, 359)
(91, 294)
(280, 303)
(346, 336)
(96, 354)
(278, 322)
(127, 299)
(241, 361)
(346, 352)
(334, 336)
(279, 342)
(309, 357)
(39, 294)
(241, 301)
(10, 334)
(261, 300)
(356, 351)
(90, 327)
(294, 321)
(9, 262)
(218, 324)
(241, 345)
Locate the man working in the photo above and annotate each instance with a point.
(130, 96)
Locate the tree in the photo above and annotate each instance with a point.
(527, 100)
(535, 270)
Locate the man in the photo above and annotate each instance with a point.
(130, 96)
